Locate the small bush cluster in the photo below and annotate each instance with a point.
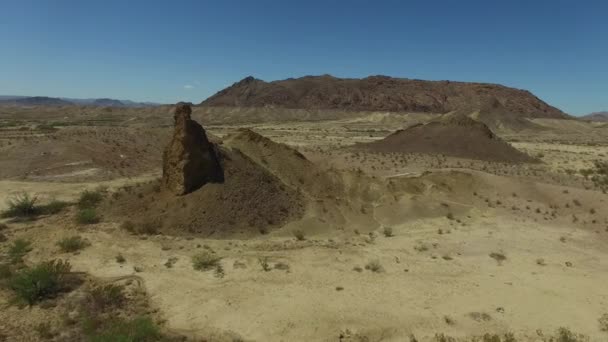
(205, 261)
(26, 206)
(90, 199)
(87, 216)
(22, 206)
(42, 281)
(72, 244)
(18, 250)
(139, 329)
(107, 296)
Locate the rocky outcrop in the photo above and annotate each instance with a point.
(190, 160)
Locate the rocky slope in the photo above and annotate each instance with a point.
(382, 93)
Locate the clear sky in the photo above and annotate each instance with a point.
(166, 51)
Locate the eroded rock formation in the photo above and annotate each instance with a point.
(190, 160)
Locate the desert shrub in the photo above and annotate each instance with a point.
(281, 266)
(139, 329)
(107, 296)
(90, 199)
(53, 207)
(603, 322)
(87, 216)
(374, 266)
(299, 235)
(499, 257)
(388, 232)
(120, 259)
(72, 244)
(219, 271)
(22, 205)
(18, 250)
(205, 261)
(264, 263)
(42, 281)
(565, 335)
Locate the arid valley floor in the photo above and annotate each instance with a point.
(312, 237)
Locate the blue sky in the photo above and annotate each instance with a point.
(166, 51)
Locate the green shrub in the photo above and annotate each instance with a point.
(87, 216)
(72, 244)
(42, 281)
(53, 207)
(18, 250)
(140, 329)
(89, 199)
(22, 205)
(205, 261)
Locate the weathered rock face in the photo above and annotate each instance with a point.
(190, 160)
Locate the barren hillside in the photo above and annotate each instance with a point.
(382, 93)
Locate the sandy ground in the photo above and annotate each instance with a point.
(436, 274)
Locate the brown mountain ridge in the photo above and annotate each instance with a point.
(383, 93)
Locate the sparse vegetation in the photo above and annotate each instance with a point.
(603, 321)
(53, 207)
(21, 206)
(264, 263)
(90, 199)
(87, 216)
(205, 261)
(42, 281)
(388, 232)
(105, 297)
(299, 235)
(139, 329)
(18, 250)
(374, 266)
(72, 244)
(120, 259)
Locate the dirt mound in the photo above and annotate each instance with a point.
(189, 160)
(452, 135)
(381, 93)
(249, 200)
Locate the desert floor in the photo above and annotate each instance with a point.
(476, 248)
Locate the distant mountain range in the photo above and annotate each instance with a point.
(597, 116)
(62, 101)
